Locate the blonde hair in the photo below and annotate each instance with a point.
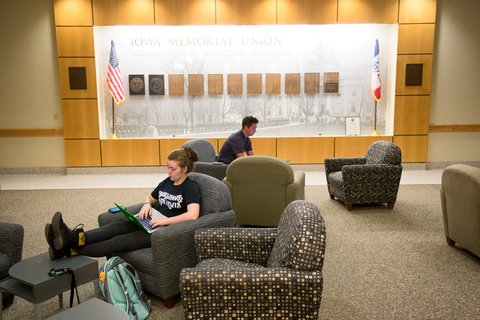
(185, 157)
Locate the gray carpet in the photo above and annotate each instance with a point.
(379, 264)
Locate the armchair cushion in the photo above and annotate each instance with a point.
(204, 148)
(252, 245)
(300, 243)
(383, 152)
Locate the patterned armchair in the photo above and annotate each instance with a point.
(460, 198)
(11, 247)
(172, 247)
(207, 158)
(369, 179)
(258, 273)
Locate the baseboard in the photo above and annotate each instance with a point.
(117, 170)
(443, 165)
(163, 169)
(33, 171)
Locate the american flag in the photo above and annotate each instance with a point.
(114, 77)
(376, 82)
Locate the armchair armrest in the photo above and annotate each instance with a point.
(179, 237)
(245, 244)
(296, 190)
(269, 289)
(212, 169)
(11, 241)
(336, 164)
(380, 172)
(381, 179)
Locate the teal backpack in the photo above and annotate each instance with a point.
(121, 287)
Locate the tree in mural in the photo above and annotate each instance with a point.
(306, 105)
(191, 67)
(267, 103)
(225, 107)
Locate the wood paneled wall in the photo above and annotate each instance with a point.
(416, 33)
(74, 21)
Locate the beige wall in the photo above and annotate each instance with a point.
(455, 84)
(30, 95)
(29, 86)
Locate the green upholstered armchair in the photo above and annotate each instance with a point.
(258, 273)
(172, 247)
(460, 196)
(261, 188)
(207, 158)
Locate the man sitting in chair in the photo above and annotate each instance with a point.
(239, 142)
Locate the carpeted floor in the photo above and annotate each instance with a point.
(379, 264)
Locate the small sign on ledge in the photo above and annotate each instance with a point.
(352, 126)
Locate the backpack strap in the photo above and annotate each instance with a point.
(138, 285)
(130, 305)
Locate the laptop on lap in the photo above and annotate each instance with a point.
(142, 224)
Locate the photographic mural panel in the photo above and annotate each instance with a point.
(293, 64)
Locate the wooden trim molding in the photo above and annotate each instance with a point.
(53, 132)
(455, 128)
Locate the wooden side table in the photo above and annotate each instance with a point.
(30, 280)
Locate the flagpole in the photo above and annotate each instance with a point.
(114, 84)
(376, 85)
(375, 133)
(113, 136)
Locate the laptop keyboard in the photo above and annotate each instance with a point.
(145, 223)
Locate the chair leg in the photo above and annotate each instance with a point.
(349, 207)
(169, 303)
(390, 205)
(450, 242)
(332, 196)
(7, 301)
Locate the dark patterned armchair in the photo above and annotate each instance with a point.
(172, 247)
(258, 273)
(374, 178)
(207, 158)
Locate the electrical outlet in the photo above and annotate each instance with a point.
(55, 116)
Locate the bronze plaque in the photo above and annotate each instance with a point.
(331, 82)
(215, 84)
(413, 74)
(292, 83)
(176, 86)
(312, 83)
(156, 84)
(235, 83)
(196, 85)
(136, 83)
(78, 78)
(273, 83)
(254, 83)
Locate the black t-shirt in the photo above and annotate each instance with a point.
(173, 200)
